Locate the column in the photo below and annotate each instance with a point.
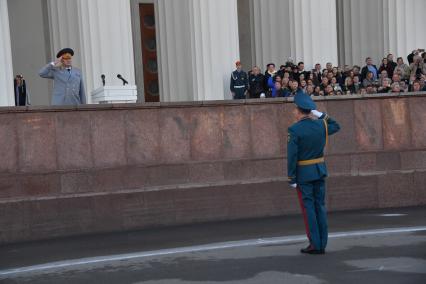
(106, 42)
(271, 36)
(404, 26)
(64, 27)
(375, 28)
(175, 53)
(362, 33)
(303, 30)
(313, 31)
(6, 70)
(199, 45)
(215, 47)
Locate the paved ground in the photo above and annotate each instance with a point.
(375, 246)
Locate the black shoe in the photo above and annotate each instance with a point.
(312, 250)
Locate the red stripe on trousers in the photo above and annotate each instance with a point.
(305, 217)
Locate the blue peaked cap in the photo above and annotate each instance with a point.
(304, 101)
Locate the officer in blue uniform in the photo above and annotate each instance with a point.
(68, 86)
(239, 82)
(307, 169)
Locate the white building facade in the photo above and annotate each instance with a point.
(185, 50)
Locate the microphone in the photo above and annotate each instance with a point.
(122, 79)
(103, 79)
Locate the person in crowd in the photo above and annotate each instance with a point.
(285, 86)
(416, 87)
(386, 66)
(402, 69)
(317, 74)
(383, 75)
(303, 85)
(329, 91)
(410, 57)
(362, 91)
(239, 82)
(357, 83)
(351, 74)
(278, 91)
(294, 88)
(324, 73)
(256, 83)
(396, 88)
(318, 92)
(371, 89)
(329, 66)
(301, 72)
(349, 87)
(335, 85)
(272, 84)
(281, 71)
(404, 87)
(324, 83)
(423, 83)
(369, 80)
(270, 72)
(396, 78)
(330, 76)
(340, 76)
(68, 86)
(392, 63)
(310, 90)
(418, 67)
(287, 75)
(385, 87)
(22, 94)
(369, 67)
(356, 69)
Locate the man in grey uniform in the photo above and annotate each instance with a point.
(68, 86)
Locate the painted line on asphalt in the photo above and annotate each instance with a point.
(67, 264)
(392, 215)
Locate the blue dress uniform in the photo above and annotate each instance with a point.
(307, 169)
(239, 84)
(68, 85)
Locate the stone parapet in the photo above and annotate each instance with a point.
(91, 169)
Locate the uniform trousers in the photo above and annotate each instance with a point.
(312, 201)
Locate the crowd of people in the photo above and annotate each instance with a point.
(390, 77)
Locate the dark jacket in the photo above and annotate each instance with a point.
(239, 82)
(306, 141)
(256, 85)
(389, 68)
(365, 70)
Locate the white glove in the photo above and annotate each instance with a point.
(294, 185)
(317, 113)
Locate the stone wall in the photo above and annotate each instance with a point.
(93, 169)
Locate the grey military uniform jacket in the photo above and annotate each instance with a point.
(68, 86)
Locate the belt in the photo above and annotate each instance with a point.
(311, 162)
(239, 87)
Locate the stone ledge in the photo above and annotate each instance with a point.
(135, 106)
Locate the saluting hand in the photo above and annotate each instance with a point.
(317, 113)
(58, 63)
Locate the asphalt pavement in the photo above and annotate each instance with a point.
(370, 246)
